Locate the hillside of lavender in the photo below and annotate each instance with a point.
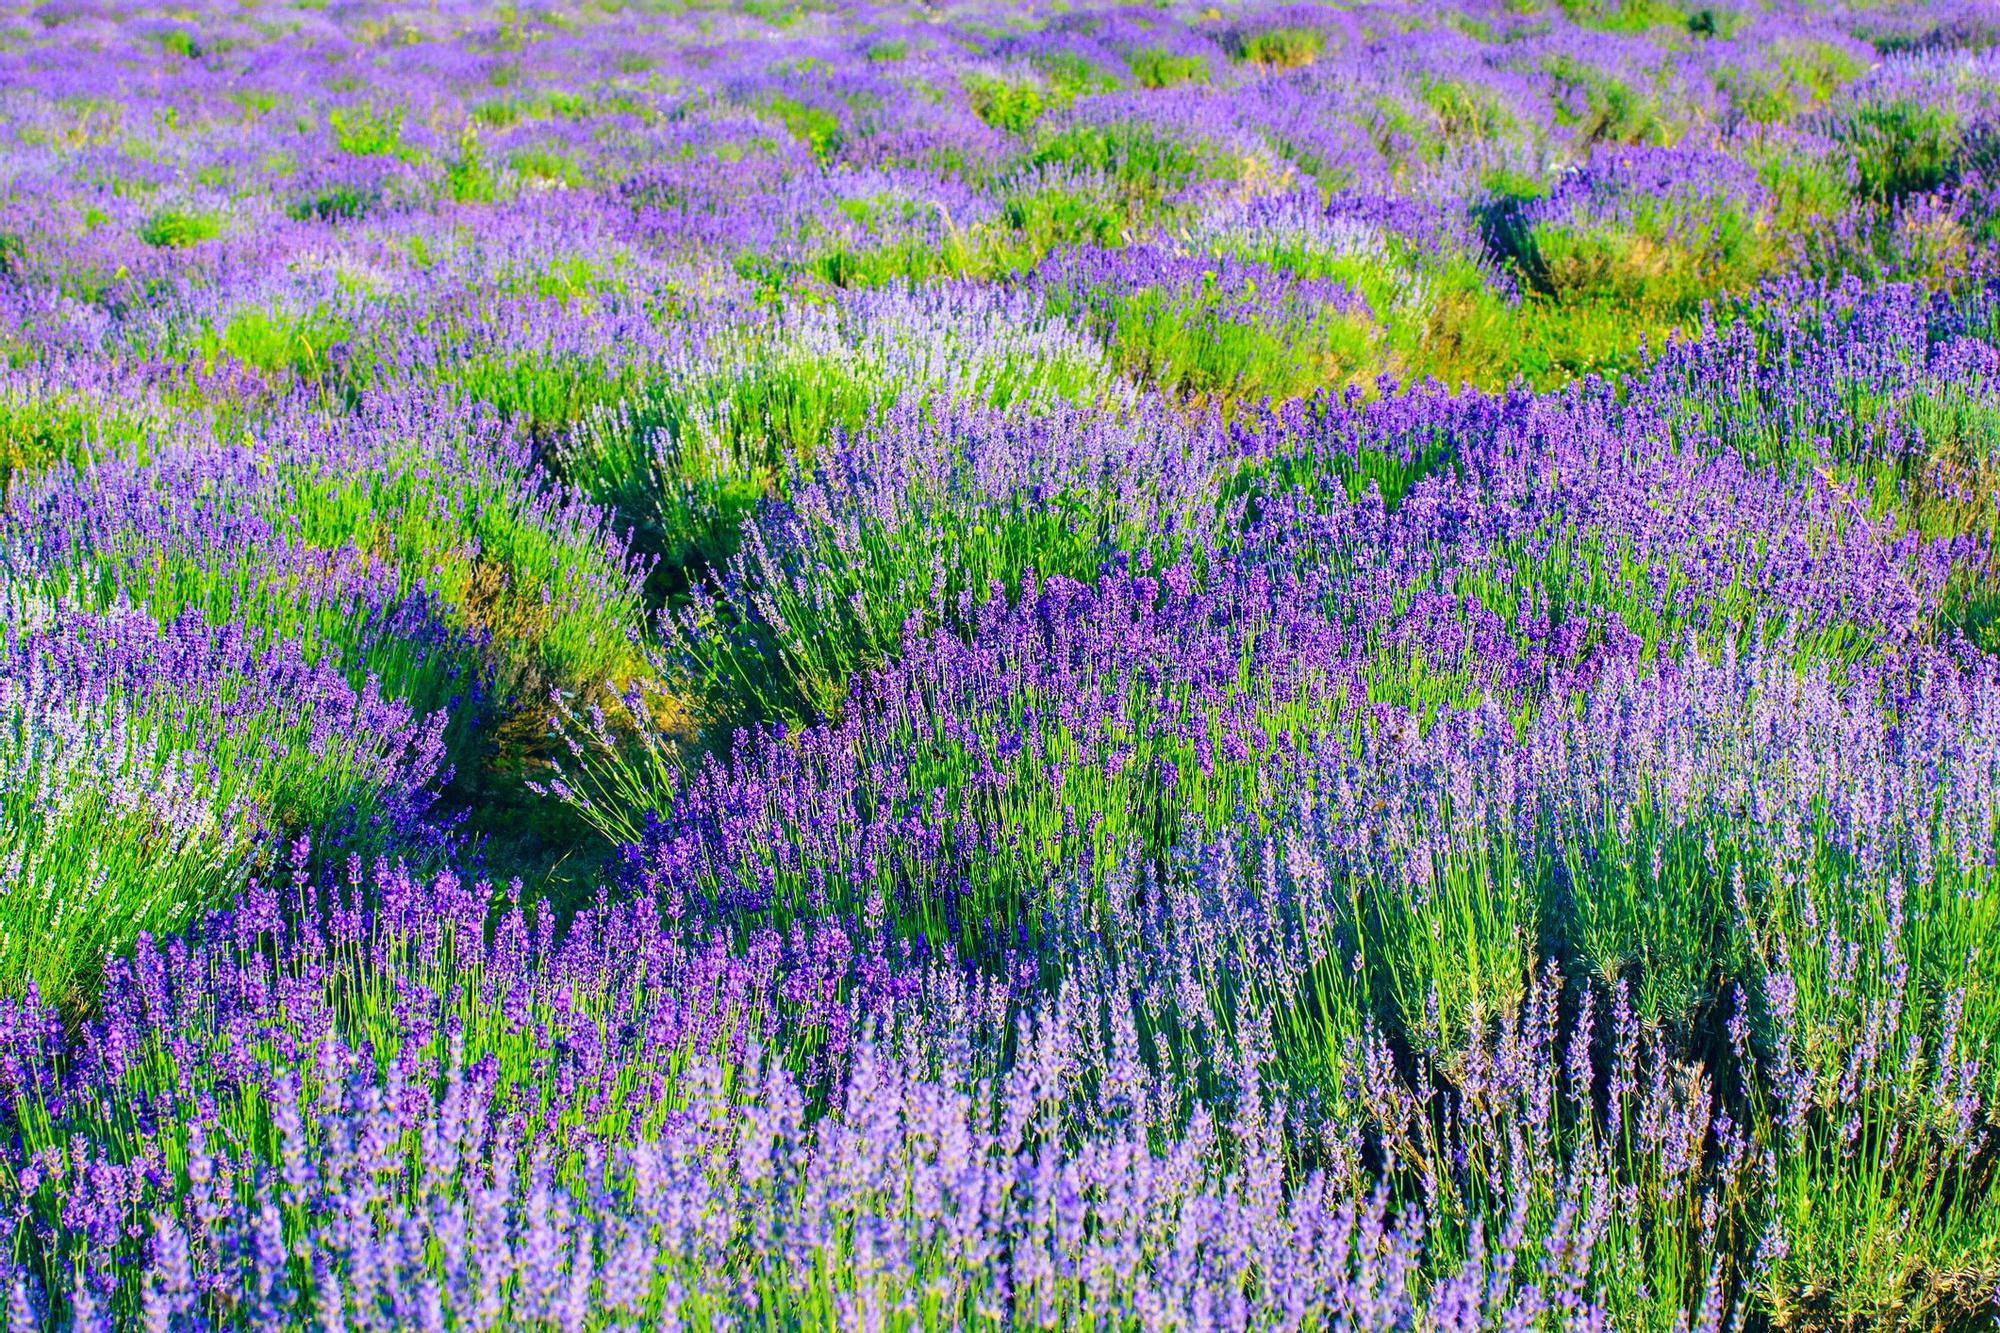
(816, 664)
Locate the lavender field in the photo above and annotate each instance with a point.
(791, 664)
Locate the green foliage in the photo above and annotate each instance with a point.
(275, 341)
(684, 458)
(573, 279)
(1552, 341)
(1153, 68)
(684, 461)
(1188, 346)
(52, 427)
(1466, 333)
(1614, 111)
(1435, 314)
(365, 131)
(538, 590)
(1806, 190)
(1820, 69)
(1008, 104)
(562, 104)
(1598, 290)
(1278, 48)
(777, 13)
(541, 393)
(1803, 76)
(1041, 219)
(179, 42)
(1633, 15)
(1465, 113)
(543, 164)
(177, 229)
(1071, 76)
(909, 260)
(254, 102)
(534, 594)
(1146, 163)
(1900, 148)
(814, 126)
(1336, 474)
(550, 103)
(499, 113)
(342, 203)
(1648, 269)
(468, 179)
(1712, 22)
(1760, 97)
(1611, 293)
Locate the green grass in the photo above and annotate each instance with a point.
(469, 177)
(1038, 216)
(818, 128)
(1614, 111)
(177, 41)
(1465, 114)
(1626, 15)
(1163, 69)
(368, 131)
(278, 342)
(46, 426)
(176, 229)
(1803, 76)
(1186, 346)
(1278, 48)
(546, 166)
(1900, 148)
(342, 203)
(1145, 163)
(1011, 105)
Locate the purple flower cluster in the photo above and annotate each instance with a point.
(1662, 190)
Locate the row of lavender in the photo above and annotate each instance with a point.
(1113, 816)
